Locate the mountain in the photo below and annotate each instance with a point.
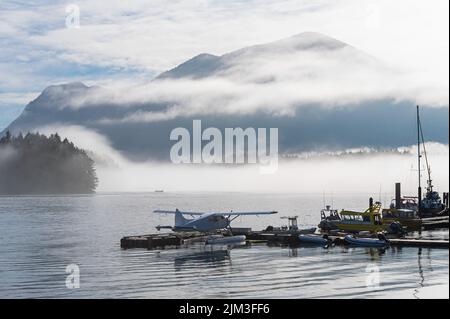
(320, 92)
(207, 65)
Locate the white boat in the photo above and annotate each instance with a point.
(311, 239)
(366, 242)
(227, 240)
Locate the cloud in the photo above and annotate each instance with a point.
(158, 34)
(119, 42)
(277, 78)
(7, 99)
(89, 140)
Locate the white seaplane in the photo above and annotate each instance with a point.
(205, 222)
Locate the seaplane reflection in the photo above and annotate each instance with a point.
(209, 256)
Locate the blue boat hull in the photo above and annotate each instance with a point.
(365, 242)
(313, 240)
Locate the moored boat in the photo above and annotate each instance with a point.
(403, 210)
(431, 205)
(329, 217)
(369, 220)
(366, 242)
(314, 239)
(406, 217)
(290, 228)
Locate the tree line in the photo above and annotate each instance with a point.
(37, 164)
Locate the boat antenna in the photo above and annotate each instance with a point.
(323, 198)
(332, 199)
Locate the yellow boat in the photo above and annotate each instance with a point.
(369, 220)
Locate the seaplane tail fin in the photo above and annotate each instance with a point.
(179, 219)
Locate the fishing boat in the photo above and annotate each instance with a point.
(369, 220)
(431, 205)
(290, 228)
(329, 217)
(366, 242)
(404, 210)
(406, 217)
(351, 221)
(314, 239)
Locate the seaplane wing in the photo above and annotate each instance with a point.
(159, 211)
(246, 213)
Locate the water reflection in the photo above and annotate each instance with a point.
(207, 258)
(421, 275)
(293, 252)
(375, 254)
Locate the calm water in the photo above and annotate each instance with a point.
(40, 236)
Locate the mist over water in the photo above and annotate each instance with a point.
(42, 235)
(353, 170)
(371, 173)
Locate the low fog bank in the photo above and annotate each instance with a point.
(353, 171)
(366, 173)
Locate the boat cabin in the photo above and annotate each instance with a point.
(400, 214)
(370, 216)
(406, 202)
(292, 223)
(369, 220)
(329, 214)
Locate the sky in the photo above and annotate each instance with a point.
(119, 43)
(123, 45)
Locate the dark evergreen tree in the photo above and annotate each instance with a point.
(36, 164)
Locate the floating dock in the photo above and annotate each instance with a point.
(435, 223)
(161, 241)
(420, 243)
(178, 240)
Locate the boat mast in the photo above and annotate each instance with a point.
(419, 190)
(429, 181)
